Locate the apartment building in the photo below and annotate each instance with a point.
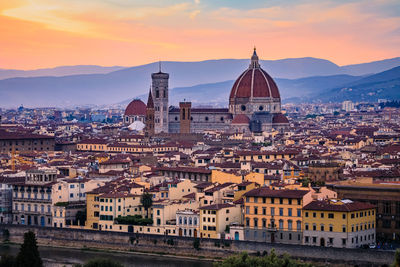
(339, 223)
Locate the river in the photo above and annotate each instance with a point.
(58, 257)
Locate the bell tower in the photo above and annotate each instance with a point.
(185, 117)
(159, 90)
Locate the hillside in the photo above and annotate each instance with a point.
(195, 81)
(384, 85)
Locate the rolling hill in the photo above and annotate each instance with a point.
(195, 81)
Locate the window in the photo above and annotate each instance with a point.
(298, 226)
(330, 228)
(331, 215)
(247, 210)
(272, 211)
(72, 186)
(387, 207)
(255, 222)
(264, 211)
(306, 214)
(280, 224)
(290, 224)
(298, 212)
(255, 210)
(344, 229)
(314, 227)
(306, 226)
(343, 216)
(314, 214)
(264, 223)
(290, 212)
(281, 201)
(322, 215)
(280, 211)
(290, 201)
(322, 228)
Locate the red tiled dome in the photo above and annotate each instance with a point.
(241, 119)
(280, 118)
(254, 82)
(136, 107)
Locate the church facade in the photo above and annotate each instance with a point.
(254, 106)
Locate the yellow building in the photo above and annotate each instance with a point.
(265, 156)
(339, 223)
(215, 218)
(222, 177)
(117, 204)
(98, 145)
(275, 215)
(244, 188)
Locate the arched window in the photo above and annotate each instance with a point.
(195, 221)
(185, 220)
(180, 220)
(190, 220)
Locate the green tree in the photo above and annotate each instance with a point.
(196, 244)
(396, 262)
(147, 202)
(28, 255)
(271, 260)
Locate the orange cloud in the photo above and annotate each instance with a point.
(62, 32)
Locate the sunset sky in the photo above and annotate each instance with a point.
(48, 33)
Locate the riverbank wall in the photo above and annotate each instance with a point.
(184, 246)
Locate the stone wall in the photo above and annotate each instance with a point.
(184, 245)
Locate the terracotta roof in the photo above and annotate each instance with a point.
(136, 107)
(241, 119)
(280, 118)
(327, 205)
(5, 135)
(267, 192)
(217, 206)
(254, 82)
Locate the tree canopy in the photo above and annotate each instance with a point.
(28, 255)
(271, 260)
(147, 202)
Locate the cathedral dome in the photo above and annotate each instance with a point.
(254, 83)
(136, 108)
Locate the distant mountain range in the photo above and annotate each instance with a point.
(206, 82)
(58, 71)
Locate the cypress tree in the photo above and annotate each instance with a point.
(28, 255)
